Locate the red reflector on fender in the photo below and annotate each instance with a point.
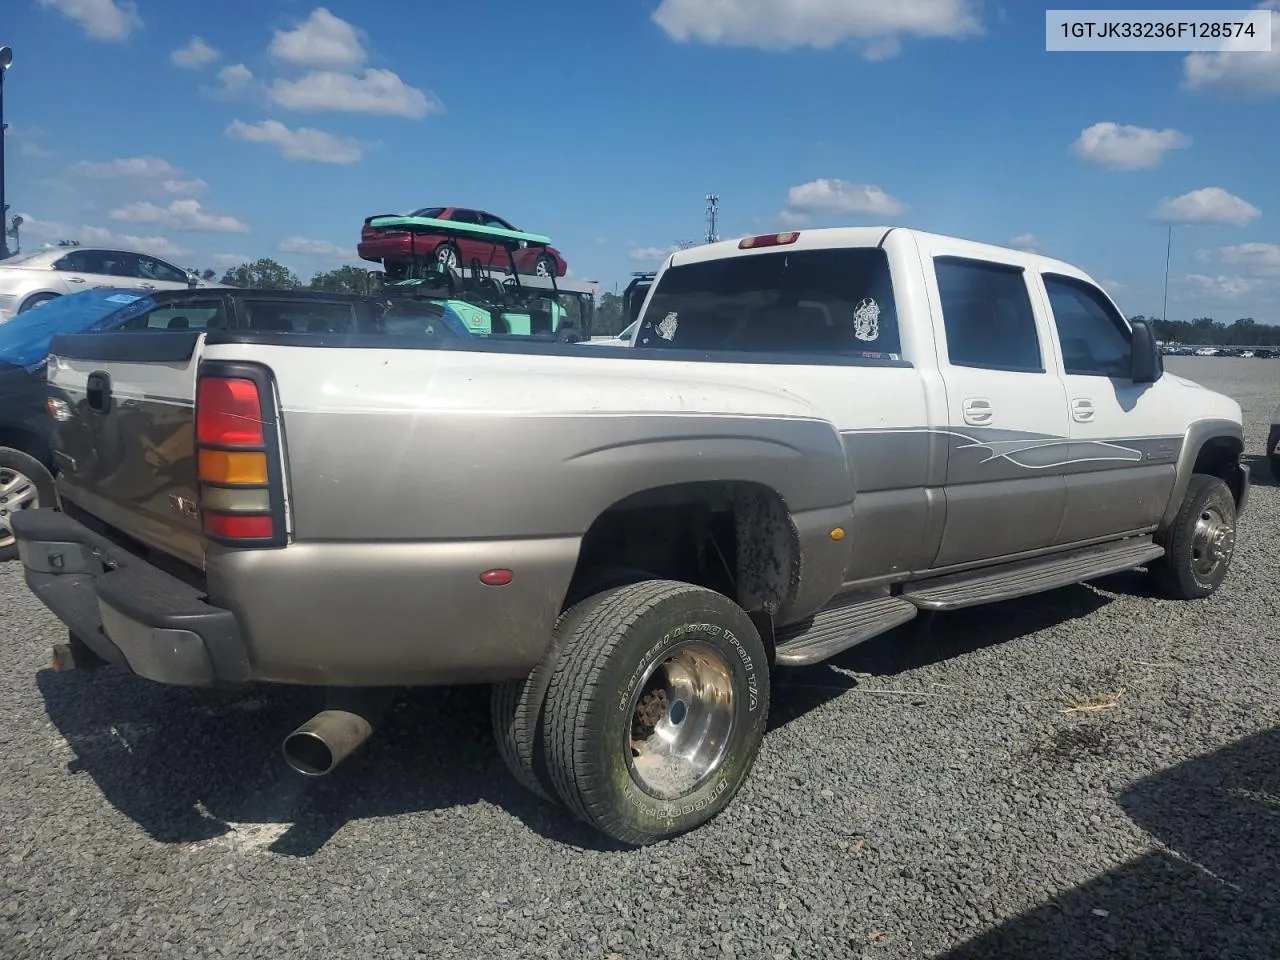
(496, 578)
(229, 412)
(233, 526)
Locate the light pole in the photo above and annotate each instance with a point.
(6, 59)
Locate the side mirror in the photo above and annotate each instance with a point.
(1148, 364)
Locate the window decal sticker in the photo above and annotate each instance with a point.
(667, 328)
(866, 320)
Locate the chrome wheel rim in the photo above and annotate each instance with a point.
(448, 257)
(542, 269)
(681, 720)
(1212, 542)
(17, 492)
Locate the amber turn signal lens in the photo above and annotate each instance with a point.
(227, 466)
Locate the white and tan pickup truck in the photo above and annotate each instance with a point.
(812, 437)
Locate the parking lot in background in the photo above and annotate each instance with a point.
(1060, 776)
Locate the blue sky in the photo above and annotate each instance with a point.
(213, 132)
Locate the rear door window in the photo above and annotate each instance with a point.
(831, 301)
(294, 316)
(190, 315)
(987, 314)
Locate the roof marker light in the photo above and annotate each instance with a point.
(769, 240)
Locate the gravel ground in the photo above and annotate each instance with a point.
(924, 796)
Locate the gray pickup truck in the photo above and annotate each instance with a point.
(812, 437)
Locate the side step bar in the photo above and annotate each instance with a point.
(1026, 577)
(855, 618)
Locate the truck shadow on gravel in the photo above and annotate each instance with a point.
(192, 766)
(1214, 892)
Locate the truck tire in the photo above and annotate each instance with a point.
(517, 707)
(25, 483)
(1200, 542)
(656, 710)
(1275, 467)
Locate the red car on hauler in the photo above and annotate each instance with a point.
(394, 248)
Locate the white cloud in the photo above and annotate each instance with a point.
(652, 253)
(1207, 205)
(235, 76)
(153, 174)
(1221, 287)
(322, 40)
(1111, 286)
(186, 214)
(101, 19)
(792, 219)
(305, 143)
(141, 168)
(827, 196)
(822, 24)
(1242, 72)
(27, 140)
(233, 79)
(377, 91)
(317, 248)
(1025, 241)
(184, 187)
(229, 260)
(1125, 147)
(53, 231)
(1255, 258)
(194, 55)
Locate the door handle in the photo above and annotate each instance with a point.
(147, 286)
(1082, 409)
(977, 411)
(98, 391)
(75, 279)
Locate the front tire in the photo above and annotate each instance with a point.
(1200, 542)
(32, 302)
(657, 709)
(25, 484)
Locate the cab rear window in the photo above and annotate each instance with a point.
(832, 301)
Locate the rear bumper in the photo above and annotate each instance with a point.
(323, 613)
(129, 612)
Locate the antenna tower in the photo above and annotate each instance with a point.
(713, 214)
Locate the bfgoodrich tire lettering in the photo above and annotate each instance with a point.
(630, 634)
(1200, 542)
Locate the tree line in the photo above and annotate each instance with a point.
(267, 274)
(1206, 331)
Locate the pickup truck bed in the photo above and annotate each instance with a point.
(811, 437)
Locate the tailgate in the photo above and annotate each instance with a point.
(125, 433)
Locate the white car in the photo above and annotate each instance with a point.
(31, 279)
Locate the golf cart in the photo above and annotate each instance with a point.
(516, 305)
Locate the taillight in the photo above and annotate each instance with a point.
(768, 240)
(234, 434)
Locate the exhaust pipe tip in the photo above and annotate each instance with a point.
(317, 747)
